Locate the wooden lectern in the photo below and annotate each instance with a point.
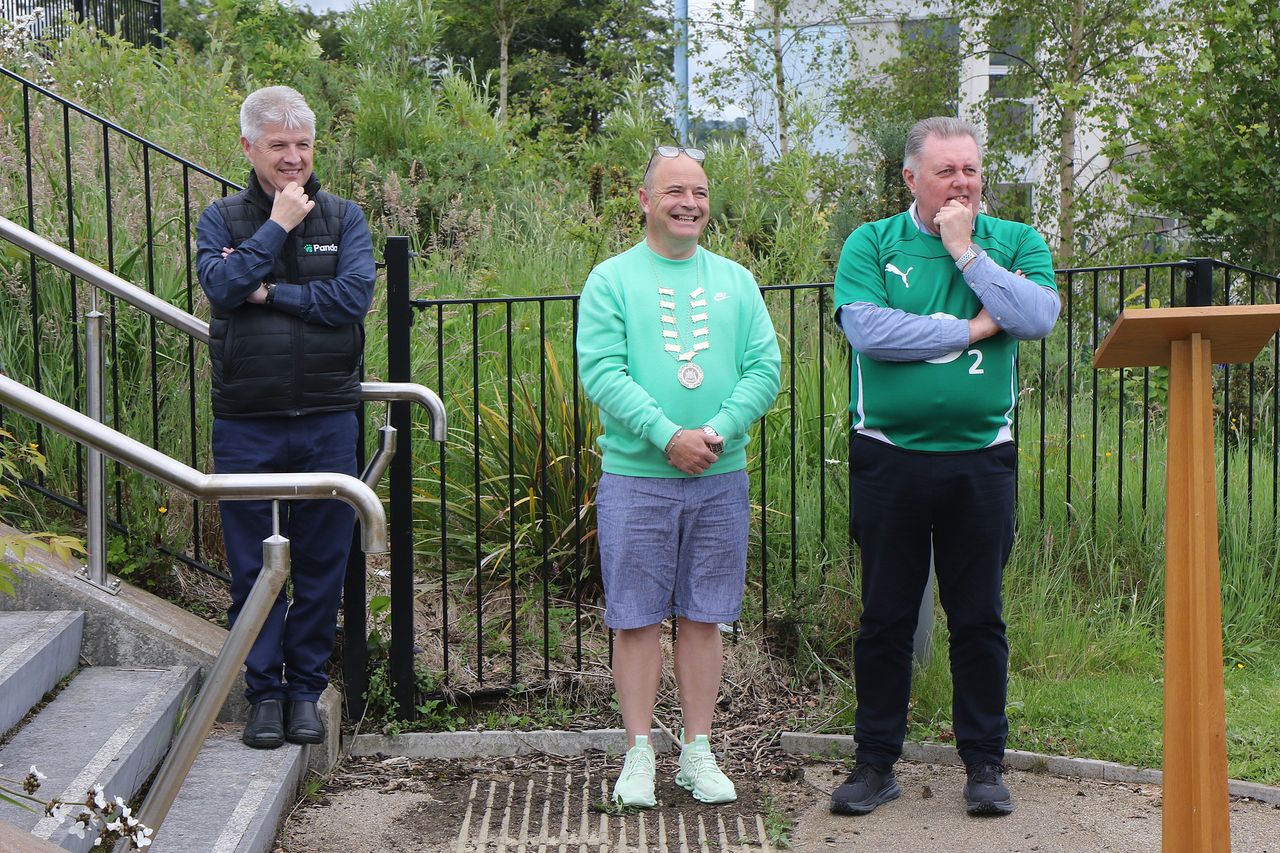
(1189, 341)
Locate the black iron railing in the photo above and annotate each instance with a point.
(493, 536)
(136, 21)
(503, 520)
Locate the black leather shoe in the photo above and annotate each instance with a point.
(985, 792)
(265, 727)
(867, 787)
(303, 723)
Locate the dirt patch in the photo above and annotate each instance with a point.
(398, 804)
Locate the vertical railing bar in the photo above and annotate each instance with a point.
(401, 665)
(77, 374)
(764, 520)
(1275, 424)
(1253, 387)
(1146, 400)
(111, 313)
(511, 491)
(1070, 442)
(444, 502)
(820, 301)
(151, 287)
(1093, 417)
(475, 473)
(542, 488)
(791, 307)
(33, 276)
(578, 498)
(194, 457)
(1227, 415)
(1044, 414)
(1120, 458)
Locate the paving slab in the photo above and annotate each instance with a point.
(110, 725)
(37, 650)
(233, 799)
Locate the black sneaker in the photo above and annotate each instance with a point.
(985, 792)
(867, 787)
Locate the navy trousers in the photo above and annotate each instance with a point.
(963, 503)
(290, 657)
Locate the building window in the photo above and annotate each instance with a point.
(1009, 42)
(929, 62)
(1010, 201)
(1010, 121)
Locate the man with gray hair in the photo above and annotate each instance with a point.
(288, 270)
(934, 301)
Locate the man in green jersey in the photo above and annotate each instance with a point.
(934, 302)
(676, 348)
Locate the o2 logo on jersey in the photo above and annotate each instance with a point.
(975, 369)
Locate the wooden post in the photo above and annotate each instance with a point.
(1189, 341)
(1195, 736)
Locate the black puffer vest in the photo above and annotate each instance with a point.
(267, 363)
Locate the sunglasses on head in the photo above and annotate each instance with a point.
(695, 154)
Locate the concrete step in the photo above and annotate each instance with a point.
(234, 798)
(110, 725)
(36, 651)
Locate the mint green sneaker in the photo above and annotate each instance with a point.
(700, 775)
(635, 784)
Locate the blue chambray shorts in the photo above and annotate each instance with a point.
(672, 545)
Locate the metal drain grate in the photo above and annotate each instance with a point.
(554, 814)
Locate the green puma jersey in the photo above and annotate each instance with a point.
(962, 400)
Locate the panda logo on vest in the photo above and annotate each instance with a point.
(320, 248)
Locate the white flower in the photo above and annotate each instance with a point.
(142, 842)
(77, 829)
(36, 773)
(114, 826)
(99, 797)
(57, 811)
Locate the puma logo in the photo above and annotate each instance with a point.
(899, 273)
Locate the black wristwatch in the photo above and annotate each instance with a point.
(271, 293)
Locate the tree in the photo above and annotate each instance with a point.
(502, 19)
(560, 57)
(1208, 126)
(784, 63)
(1080, 62)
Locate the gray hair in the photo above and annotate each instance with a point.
(278, 105)
(945, 127)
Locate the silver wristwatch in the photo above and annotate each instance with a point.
(717, 445)
(964, 260)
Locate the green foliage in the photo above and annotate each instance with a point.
(1207, 122)
(18, 460)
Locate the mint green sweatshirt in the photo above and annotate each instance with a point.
(626, 371)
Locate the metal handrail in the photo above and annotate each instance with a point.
(135, 454)
(156, 307)
(95, 572)
(275, 551)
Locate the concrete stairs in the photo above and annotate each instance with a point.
(113, 725)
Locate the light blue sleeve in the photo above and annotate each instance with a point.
(890, 334)
(1022, 307)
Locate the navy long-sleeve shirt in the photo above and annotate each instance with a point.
(228, 282)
